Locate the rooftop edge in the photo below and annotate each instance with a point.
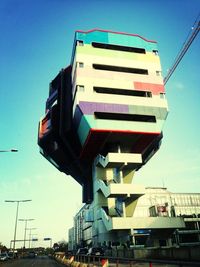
(124, 33)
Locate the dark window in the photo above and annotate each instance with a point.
(80, 88)
(120, 69)
(80, 43)
(162, 95)
(158, 72)
(148, 94)
(80, 64)
(119, 48)
(155, 52)
(52, 99)
(162, 242)
(115, 91)
(124, 117)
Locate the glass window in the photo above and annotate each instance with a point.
(158, 73)
(80, 64)
(178, 201)
(80, 43)
(148, 94)
(162, 95)
(155, 52)
(80, 88)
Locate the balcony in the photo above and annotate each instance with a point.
(120, 223)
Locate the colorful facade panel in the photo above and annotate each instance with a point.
(122, 39)
(89, 51)
(154, 88)
(89, 108)
(88, 72)
(111, 61)
(89, 122)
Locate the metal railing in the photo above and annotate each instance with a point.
(129, 262)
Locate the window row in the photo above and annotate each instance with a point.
(118, 47)
(186, 200)
(124, 117)
(119, 69)
(118, 91)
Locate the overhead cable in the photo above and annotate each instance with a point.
(189, 39)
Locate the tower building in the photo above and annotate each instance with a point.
(103, 122)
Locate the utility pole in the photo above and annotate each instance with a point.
(15, 231)
(25, 220)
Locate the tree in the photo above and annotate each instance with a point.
(55, 246)
(61, 246)
(2, 247)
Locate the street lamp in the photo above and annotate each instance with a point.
(17, 201)
(48, 238)
(33, 239)
(30, 229)
(10, 150)
(25, 220)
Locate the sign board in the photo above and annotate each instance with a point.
(47, 238)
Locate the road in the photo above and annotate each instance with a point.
(40, 261)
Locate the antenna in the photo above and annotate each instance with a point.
(163, 183)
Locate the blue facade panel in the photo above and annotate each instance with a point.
(116, 39)
(131, 41)
(96, 36)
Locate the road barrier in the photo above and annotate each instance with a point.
(104, 262)
(97, 261)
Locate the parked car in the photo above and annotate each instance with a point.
(11, 255)
(95, 252)
(82, 251)
(31, 254)
(4, 256)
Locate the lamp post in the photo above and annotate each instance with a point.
(30, 229)
(15, 231)
(10, 150)
(48, 238)
(33, 239)
(25, 220)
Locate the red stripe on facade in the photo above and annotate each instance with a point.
(97, 137)
(122, 131)
(154, 88)
(124, 33)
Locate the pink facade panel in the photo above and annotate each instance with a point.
(154, 88)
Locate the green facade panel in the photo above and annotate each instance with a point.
(83, 129)
(116, 39)
(131, 41)
(88, 38)
(89, 122)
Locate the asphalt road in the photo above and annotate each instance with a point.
(40, 261)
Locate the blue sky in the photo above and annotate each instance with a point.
(36, 42)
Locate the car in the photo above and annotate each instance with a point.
(82, 251)
(31, 254)
(11, 255)
(95, 252)
(4, 256)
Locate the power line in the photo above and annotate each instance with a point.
(189, 39)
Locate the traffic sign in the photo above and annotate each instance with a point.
(47, 238)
